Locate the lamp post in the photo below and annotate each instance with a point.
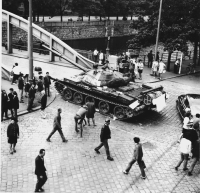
(158, 30)
(108, 49)
(30, 42)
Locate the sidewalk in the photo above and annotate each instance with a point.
(6, 85)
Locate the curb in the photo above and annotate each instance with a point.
(34, 109)
(174, 77)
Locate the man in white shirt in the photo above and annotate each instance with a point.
(16, 73)
(95, 53)
(154, 68)
(185, 149)
(101, 58)
(161, 69)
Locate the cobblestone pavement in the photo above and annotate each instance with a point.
(74, 166)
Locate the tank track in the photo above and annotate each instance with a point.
(93, 96)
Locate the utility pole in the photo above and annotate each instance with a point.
(158, 30)
(30, 42)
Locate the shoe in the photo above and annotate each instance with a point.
(97, 151)
(88, 124)
(14, 151)
(176, 168)
(48, 140)
(94, 125)
(11, 152)
(41, 190)
(65, 141)
(110, 159)
(189, 173)
(77, 131)
(125, 172)
(37, 191)
(143, 177)
(185, 169)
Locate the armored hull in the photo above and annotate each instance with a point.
(112, 93)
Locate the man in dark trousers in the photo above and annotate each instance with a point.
(150, 59)
(43, 104)
(40, 171)
(21, 87)
(137, 156)
(10, 101)
(4, 104)
(104, 136)
(31, 96)
(47, 82)
(57, 127)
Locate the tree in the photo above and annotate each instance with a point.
(11, 5)
(180, 22)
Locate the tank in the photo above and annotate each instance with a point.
(112, 93)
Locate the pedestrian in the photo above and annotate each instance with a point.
(20, 44)
(185, 150)
(132, 71)
(31, 97)
(10, 101)
(195, 152)
(137, 156)
(57, 127)
(177, 66)
(21, 87)
(95, 54)
(157, 56)
(104, 136)
(161, 69)
(154, 68)
(47, 83)
(43, 104)
(101, 57)
(41, 47)
(13, 134)
(91, 111)
(16, 73)
(79, 117)
(140, 69)
(4, 104)
(40, 171)
(15, 104)
(27, 87)
(150, 59)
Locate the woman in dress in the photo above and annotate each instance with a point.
(13, 134)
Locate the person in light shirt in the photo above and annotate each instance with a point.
(140, 69)
(161, 69)
(154, 68)
(16, 73)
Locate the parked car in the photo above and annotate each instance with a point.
(191, 101)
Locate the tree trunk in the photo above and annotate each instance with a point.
(117, 17)
(100, 17)
(33, 16)
(195, 53)
(199, 55)
(131, 17)
(43, 19)
(169, 61)
(38, 17)
(61, 17)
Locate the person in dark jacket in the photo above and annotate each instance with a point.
(13, 134)
(4, 104)
(47, 83)
(91, 111)
(41, 47)
(150, 59)
(57, 127)
(27, 87)
(40, 84)
(40, 171)
(43, 104)
(31, 96)
(15, 103)
(137, 156)
(10, 101)
(21, 86)
(104, 136)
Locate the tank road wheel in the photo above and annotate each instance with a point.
(78, 98)
(119, 112)
(87, 98)
(104, 107)
(129, 112)
(67, 94)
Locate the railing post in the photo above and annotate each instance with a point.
(9, 35)
(51, 54)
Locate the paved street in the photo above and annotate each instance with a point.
(75, 167)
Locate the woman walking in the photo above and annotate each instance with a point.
(15, 103)
(13, 134)
(91, 111)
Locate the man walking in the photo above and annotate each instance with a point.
(10, 101)
(16, 73)
(4, 104)
(137, 156)
(47, 82)
(104, 136)
(95, 53)
(31, 96)
(57, 127)
(21, 87)
(91, 111)
(40, 171)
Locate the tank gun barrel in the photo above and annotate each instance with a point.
(153, 89)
